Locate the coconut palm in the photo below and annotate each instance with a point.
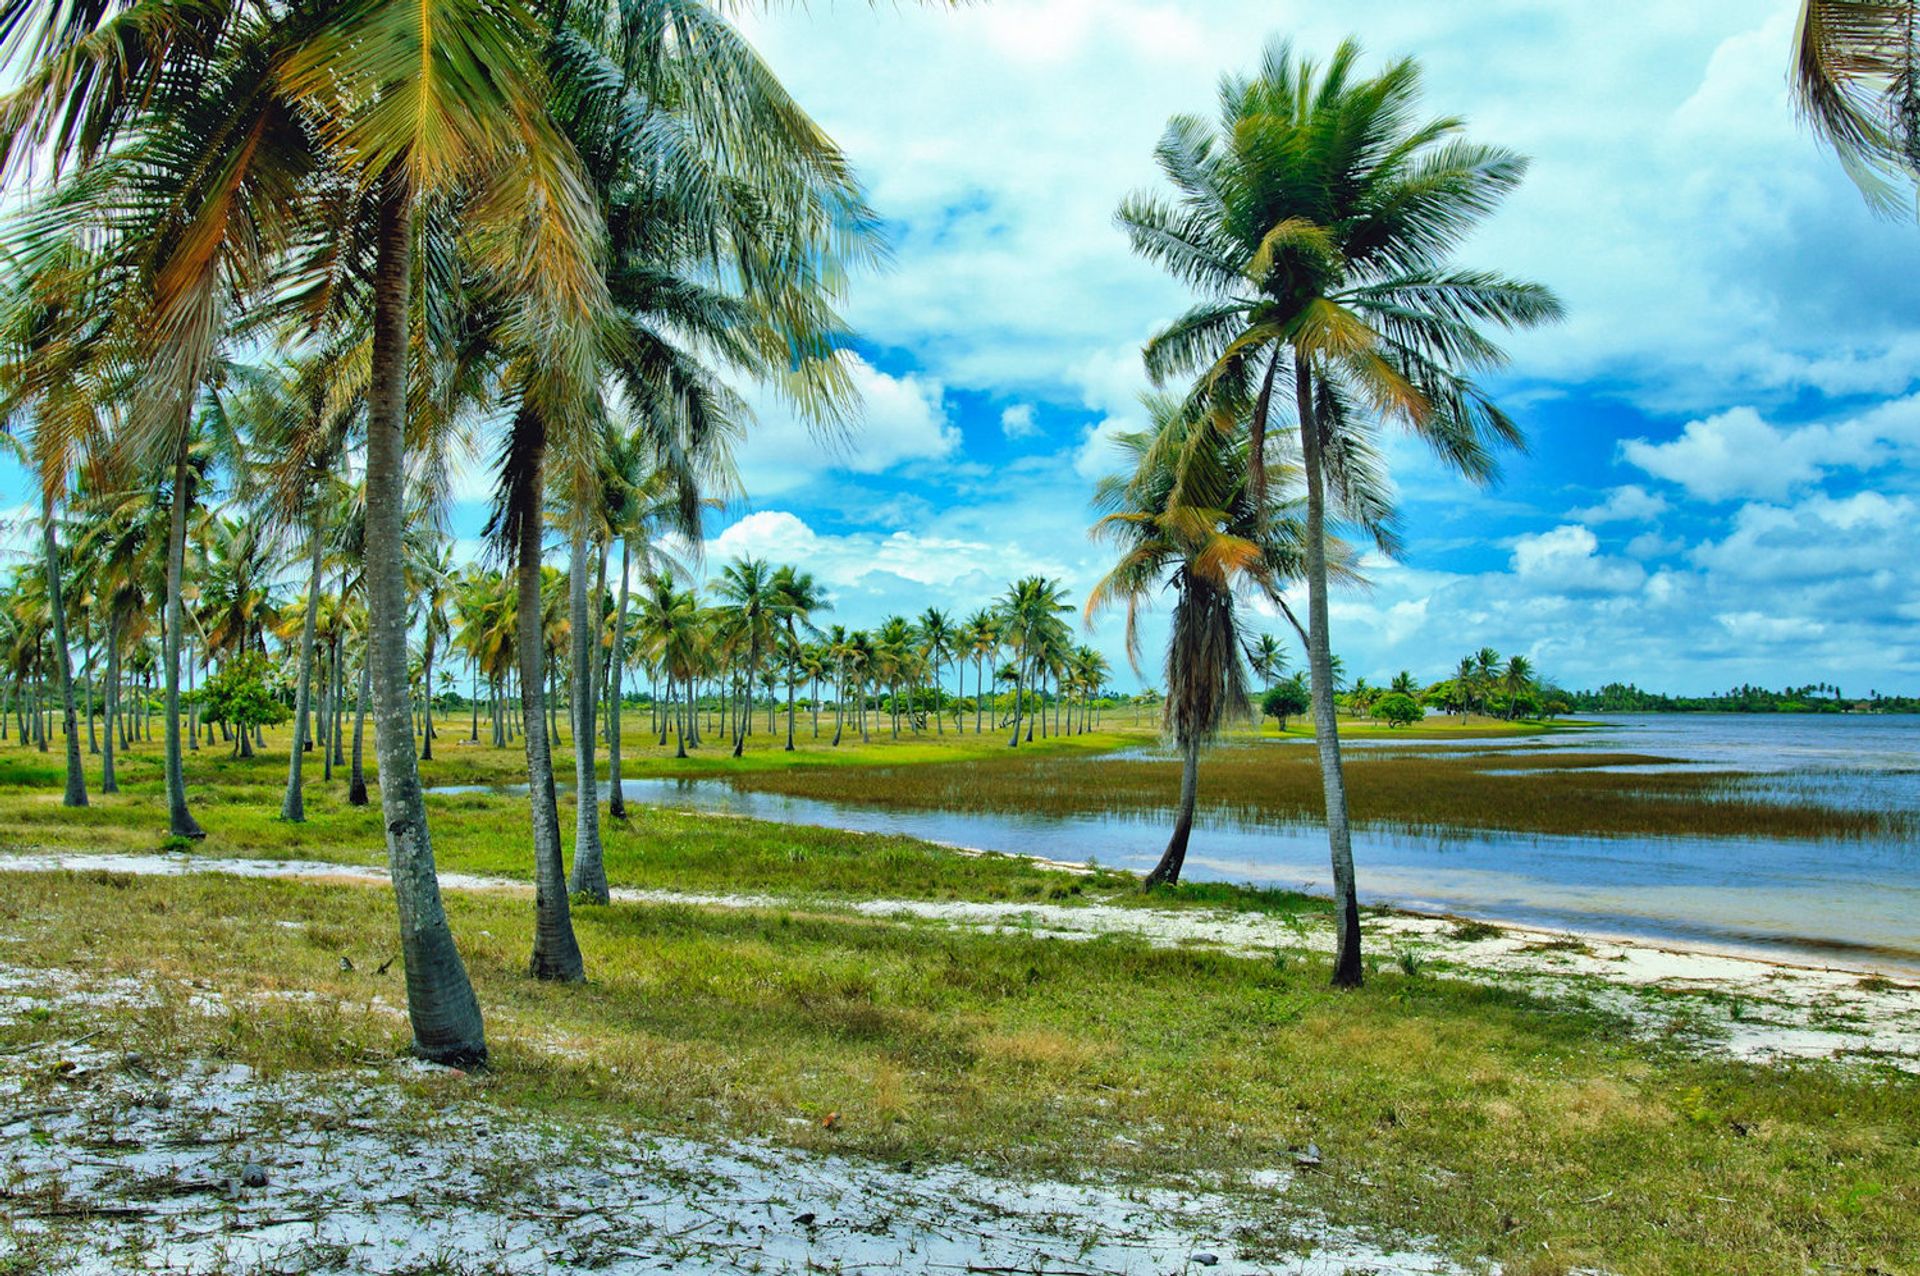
(1185, 518)
(49, 337)
(982, 641)
(1516, 680)
(1317, 219)
(1856, 80)
(797, 598)
(1030, 623)
(937, 639)
(1267, 658)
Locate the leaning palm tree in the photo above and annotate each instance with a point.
(1317, 219)
(1183, 518)
(1856, 80)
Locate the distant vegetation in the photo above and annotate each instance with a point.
(1815, 697)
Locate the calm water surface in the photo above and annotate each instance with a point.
(1843, 897)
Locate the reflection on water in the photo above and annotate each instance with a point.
(1809, 896)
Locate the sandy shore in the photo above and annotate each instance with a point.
(1744, 1004)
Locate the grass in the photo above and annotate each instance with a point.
(1541, 1135)
(1561, 792)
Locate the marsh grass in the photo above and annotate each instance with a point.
(1557, 793)
(1541, 1134)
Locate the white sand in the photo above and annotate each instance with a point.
(114, 1166)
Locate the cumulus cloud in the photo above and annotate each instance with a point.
(1017, 422)
(1568, 558)
(1630, 504)
(905, 418)
(1738, 453)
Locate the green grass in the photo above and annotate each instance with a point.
(1560, 792)
(1541, 1135)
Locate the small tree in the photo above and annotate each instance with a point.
(1397, 709)
(239, 696)
(1287, 699)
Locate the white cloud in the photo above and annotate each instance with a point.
(1630, 504)
(1099, 454)
(1737, 453)
(905, 419)
(1568, 558)
(1817, 540)
(1017, 422)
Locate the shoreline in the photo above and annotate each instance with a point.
(1717, 999)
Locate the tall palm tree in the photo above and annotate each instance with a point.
(431, 578)
(937, 637)
(982, 641)
(797, 598)
(1030, 623)
(1317, 219)
(48, 339)
(1516, 679)
(1185, 518)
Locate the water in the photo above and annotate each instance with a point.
(1803, 897)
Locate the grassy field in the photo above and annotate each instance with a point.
(1545, 1135)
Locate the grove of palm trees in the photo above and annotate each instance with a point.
(437, 838)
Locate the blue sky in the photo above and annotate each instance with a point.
(1725, 467)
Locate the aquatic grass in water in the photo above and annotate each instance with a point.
(1555, 793)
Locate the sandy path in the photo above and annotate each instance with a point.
(1721, 1000)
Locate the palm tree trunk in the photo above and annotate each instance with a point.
(76, 794)
(589, 867)
(180, 821)
(1167, 871)
(445, 1014)
(110, 703)
(426, 694)
(357, 775)
(616, 695)
(292, 806)
(979, 691)
(1326, 724)
(329, 698)
(556, 952)
(86, 647)
(1013, 742)
(793, 644)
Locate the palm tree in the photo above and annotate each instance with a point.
(1184, 517)
(430, 574)
(1267, 658)
(747, 588)
(47, 339)
(982, 641)
(937, 638)
(1856, 80)
(1516, 680)
(1030, 621)
(1317, 220)
(797, 596)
